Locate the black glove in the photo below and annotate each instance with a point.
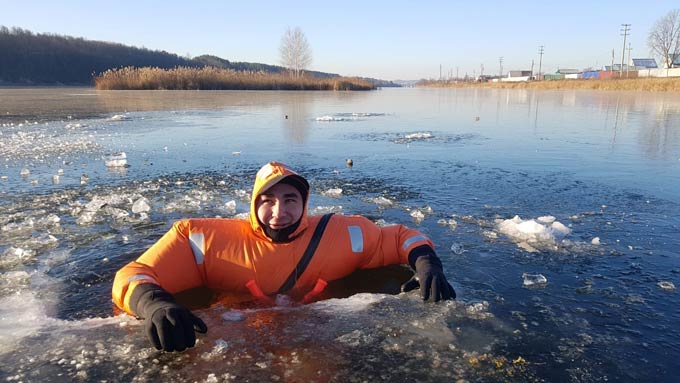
(429, 275)
(169, 326)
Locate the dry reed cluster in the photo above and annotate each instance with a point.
(211, 78)
(670, 84)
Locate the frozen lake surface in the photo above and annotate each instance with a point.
(556, 215)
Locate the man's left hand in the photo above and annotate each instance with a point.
(429, 277)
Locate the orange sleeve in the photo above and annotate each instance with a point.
(389, 245)
(170, 263)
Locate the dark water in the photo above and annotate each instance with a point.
(593, 177)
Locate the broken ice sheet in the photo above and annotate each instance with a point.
(531, 280)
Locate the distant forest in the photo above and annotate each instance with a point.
(28, 58)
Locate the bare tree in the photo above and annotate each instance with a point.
(296, 55)
(664, 37)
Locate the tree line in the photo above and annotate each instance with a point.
(43, 58)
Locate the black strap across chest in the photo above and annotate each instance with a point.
(307, 256)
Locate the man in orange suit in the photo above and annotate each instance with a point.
(279, 250)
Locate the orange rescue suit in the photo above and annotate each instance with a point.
(234, 255)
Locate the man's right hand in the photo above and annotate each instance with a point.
(169, 326)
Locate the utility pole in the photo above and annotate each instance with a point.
(440, 72)
(628, 67)
(540, 60)
(532, 69)
(481, 70)
(456, 73)
(611, 68)
(626, 28)
(500, 62)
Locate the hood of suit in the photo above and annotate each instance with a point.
(268, 176)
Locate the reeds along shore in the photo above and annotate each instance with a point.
(211, 78)
(669, 84)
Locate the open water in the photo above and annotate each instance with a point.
(556, 215)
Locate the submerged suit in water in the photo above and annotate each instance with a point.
(262, 257)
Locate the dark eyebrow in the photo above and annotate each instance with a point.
(287, 195)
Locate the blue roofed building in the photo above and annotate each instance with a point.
(644, 64)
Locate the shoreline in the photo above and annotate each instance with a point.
(671, 84)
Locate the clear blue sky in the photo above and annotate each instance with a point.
(382, 39)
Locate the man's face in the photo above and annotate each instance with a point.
(279, 207)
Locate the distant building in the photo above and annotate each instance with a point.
(519, 73)
(591, 74)
(568, 71)
(555, 76)
(617, 67)
(644, 64)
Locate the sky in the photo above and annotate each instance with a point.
(391, 40)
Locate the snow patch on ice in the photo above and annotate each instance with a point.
(534, 234)
(355, 303)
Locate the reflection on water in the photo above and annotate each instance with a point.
(296, 115)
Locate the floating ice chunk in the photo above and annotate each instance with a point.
(48, 220)
(119, 117)
(86, 217)
(12, 227)
(559, 230)
(56, 179)
(41, 241)
(230, 206)
(235, 153)
(381, 201)
(244, 215)
(355, 303)
(355, 338)
(15, 255)
(417, 215)
(242, 195)
(116, 160)
(218, 349)
(545, 220)
(477, 307)
(595, 241)
(335, 193)
(489, 234)
(4, 178)
(320, 210)
(457, 248)
(14, 278)
(543, 232)
(83, 179)
(666, 285)
(527, 247)
(534, 280)
(141, 206)
(450, 222)
(328, 118)
(233, 316)
(418, 136)
(25, 172)
(382, 223)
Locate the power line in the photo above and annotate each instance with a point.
(625, 30)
